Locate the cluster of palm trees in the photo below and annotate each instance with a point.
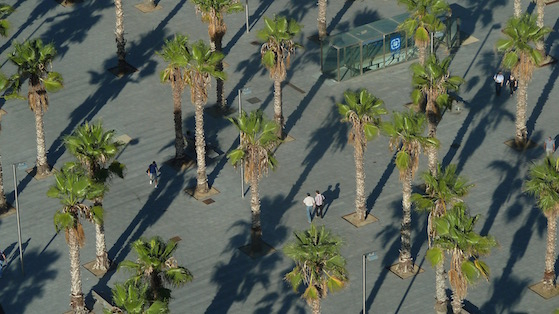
(81, 187)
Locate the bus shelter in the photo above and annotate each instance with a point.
(375, 46)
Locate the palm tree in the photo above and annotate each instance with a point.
(156, 267)
(134, 300)
(319, 265)
(96, 149)
(33, 60)
(521, 58)
(540, 9)
(433, 81)
(322, 4)
(276, 54)
(122, 66)
(543, 183)
(72, 188)
(363, 111)
(405, 132)
(517, 8)
(457, 237)
(175, 53)
(213, 12)
(443, 190)
(5, 10)
(255, 153)
(423, 20)
(200, 69)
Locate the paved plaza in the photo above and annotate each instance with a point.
(225, 279)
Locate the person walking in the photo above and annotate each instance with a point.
(512, 83)
(309, 203)
(152, 173)
(499, 79)
(319, 203)
(549, 146)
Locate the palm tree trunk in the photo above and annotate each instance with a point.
(278, 111)
(216, 45)
(322, 18)
(176, 85)
(42, 165)
(549, 274)
(202, 179)
(102, 260)
(521, 136)
(119, 32)
(440, 289)
(405, 262)
(517, 8)
(456, 303)
(422, 50)
(3, 202)
(315, 306)
(432, 118)
(359, 179)
(76, 294)
(256, 227)
(540, 7)
(150, 3)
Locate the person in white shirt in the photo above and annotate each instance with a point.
(499, 79)
(319, 203)
(309, 202)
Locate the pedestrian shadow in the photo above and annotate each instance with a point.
(329, 197)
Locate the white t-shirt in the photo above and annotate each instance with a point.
(309, 201)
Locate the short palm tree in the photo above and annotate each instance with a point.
(363, 111)
(423, 20)
(319, 264)
(134, 300)
(433, 81)
(200, 69)
(543, 183)
(5, 10)
(405, 132)
(213, 12)
(322, 5)
(276, 53)
(33, 60)
(521, 58)
(456, 236)
(156, 267)
(442, 191)
(175, 53)
(72, 187)
(96, 150)
(256, 154)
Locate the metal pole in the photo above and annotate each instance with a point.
(242, 166)
(432, 37)
(18, 221)
(246, 15)
(364, 278)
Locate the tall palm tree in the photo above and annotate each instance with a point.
(276, 53)
(433, 82)
(134, 300)
(540, 9)
(543, 183)
(322, 4)
(5, 10)
(319, 265)
(443, 190)
(96, 149)
(33, 60)
(363, 110)
(120, 41)
(423, 21)
(175, 53)
(72, 188)
(517, 8)
(255, 153)
(213, 12)
(200, 69)
(457, 237)
(156, 267)
(405, 132)
(521, 58)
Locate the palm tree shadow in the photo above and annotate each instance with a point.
(377, 190)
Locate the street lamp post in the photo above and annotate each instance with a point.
(19, 165)
(371, 256)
